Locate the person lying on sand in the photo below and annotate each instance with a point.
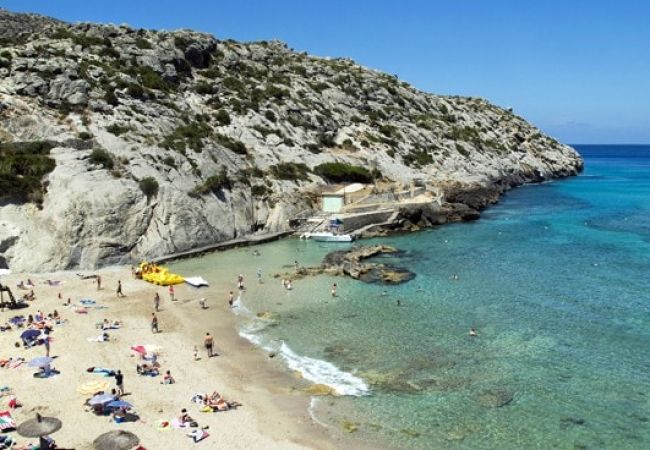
(218, 403)
(147, 369)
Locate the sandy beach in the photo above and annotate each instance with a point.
(274, 412)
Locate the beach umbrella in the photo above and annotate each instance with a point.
(40, 361)
(139, 349)
(101, 399)
(119, 404)
(30, 334)
(116, 440)
(93, 386)
(40, 426)
(147, 348)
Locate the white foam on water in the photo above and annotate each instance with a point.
(323, 372)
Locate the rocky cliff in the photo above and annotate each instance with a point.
(119, 143)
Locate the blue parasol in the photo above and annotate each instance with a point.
(120, 404)
(101, 399)
(30, 334)
(40, 361)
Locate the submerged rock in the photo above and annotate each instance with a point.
(320, 389)
(495, 398)
(352, 263)
(350, 427)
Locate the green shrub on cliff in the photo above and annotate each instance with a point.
(22, 168)
(101, 157)
(340, 172)
(149, 186)
(290, 171)
(213, 184)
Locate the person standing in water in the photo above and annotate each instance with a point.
(259, 275)
(334, 290)
(231, 299)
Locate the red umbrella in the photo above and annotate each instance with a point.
(139, 349)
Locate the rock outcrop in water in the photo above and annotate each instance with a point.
(352, 263)
(120, 143)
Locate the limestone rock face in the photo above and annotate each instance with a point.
(165, 141)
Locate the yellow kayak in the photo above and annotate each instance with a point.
(159, 275)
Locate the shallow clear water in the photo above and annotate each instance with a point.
(555, 280)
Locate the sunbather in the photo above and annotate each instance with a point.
(184, 419)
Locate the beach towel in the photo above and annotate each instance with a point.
(16, 363)
(7, 422)
(87, 301)
(198, 435)
(54, 282)
(80, 310)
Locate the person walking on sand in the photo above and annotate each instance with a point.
(99, 282)
(119, 383)
(46, 342)
(209, 344)
(154, 323)
(195, 353)
(119, 289)
(156, 302)
(171, 292)
(334, 290)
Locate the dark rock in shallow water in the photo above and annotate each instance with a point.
(567, 422)
(494, 398)
(352, 263)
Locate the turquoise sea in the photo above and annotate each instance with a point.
(555, 280)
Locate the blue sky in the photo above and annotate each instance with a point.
(578, 69)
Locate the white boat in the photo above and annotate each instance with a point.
(196, 281)
(326, 236)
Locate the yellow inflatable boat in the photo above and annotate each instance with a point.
(158, 275)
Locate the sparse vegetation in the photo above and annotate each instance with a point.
(190, 135)
(22, 168)
(417, 158)
(213, 184)
(149, 186)
(232, 144)
(290, 171)
(222, 117)
(101, 157)
(142, 43)
(341, 172)
(117, 129)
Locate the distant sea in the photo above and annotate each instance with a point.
(556, 281)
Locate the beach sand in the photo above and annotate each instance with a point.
(274, 412)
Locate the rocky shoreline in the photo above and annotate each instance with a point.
(126, 144)
(353, 263)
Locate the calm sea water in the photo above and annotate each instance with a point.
(555, 280)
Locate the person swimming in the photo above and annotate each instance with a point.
(472, 332)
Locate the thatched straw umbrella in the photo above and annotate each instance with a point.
(39, 427)
(116, 440)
